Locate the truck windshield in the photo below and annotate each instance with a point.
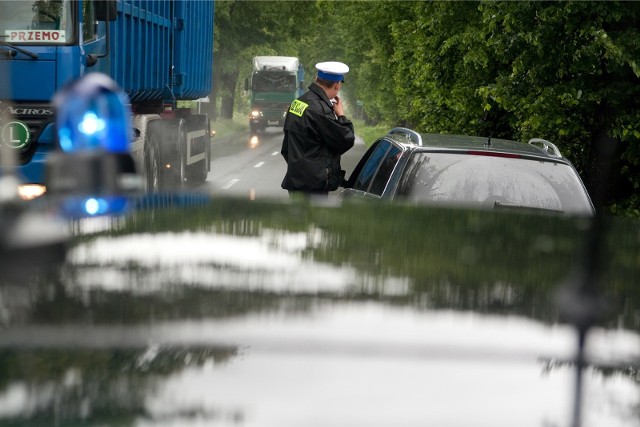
(273, 82)
(36, 22)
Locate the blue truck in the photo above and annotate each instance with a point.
(274, 83)
(159, 53)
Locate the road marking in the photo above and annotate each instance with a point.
(230, 184)
(257, 165)
(275, 153)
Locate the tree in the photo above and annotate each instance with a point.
(440, 63)
(564, 71)
(361, 37)
(572, 78)
(247, 28)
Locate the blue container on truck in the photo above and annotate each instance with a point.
(158, 51)
(275, 82)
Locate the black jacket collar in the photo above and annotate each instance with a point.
(317, 89)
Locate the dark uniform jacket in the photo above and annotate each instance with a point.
(314, 140)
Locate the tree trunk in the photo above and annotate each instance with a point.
(210, 107)
(228, 83)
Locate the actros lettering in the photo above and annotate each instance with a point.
(29, 111)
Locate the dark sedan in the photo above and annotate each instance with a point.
(469, 171)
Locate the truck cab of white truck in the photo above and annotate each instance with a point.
(274, 83)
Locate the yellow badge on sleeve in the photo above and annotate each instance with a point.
(297, 107)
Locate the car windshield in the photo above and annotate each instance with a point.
(34, 22)
(273, 82)
(493, 182)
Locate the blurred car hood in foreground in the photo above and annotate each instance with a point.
(238, 313)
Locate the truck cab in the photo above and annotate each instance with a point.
(43, 46)
(158, 52)
(275, 82)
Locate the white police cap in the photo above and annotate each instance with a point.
(332, 71)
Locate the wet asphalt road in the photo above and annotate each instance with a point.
(254, 169)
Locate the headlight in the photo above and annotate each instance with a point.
(31, 191)
(255, 113)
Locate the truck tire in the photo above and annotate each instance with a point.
(197, 172)
(172, 153)
(153, 172)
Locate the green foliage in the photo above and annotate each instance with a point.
(369, 133)
(571, 78)
(234, 126)
(441, 63)
(363, 38)
(244, 29)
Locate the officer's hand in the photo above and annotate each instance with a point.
(338, 107)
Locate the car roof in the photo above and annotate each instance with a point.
(429, 141)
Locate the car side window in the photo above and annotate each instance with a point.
(385, 169)
(371, 166)
(377, 169)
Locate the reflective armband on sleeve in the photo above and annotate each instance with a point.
(297, 107)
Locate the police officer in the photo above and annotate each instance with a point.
(316, 134)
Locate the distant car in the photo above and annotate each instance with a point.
(469, 171)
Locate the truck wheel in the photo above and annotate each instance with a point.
(152, 162)
(172, 155)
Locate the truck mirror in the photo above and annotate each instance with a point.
(106, 10)
(246, 84)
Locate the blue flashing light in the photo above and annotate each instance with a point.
(64, 137)
(93, 114)
(91, 124)
(79, 207)
(94, 206)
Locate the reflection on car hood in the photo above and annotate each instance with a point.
(271, 262)
(260, 314)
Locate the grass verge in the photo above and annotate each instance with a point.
(226, 127)
(369, 133)
(240, 124)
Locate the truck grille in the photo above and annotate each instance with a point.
(273, 110)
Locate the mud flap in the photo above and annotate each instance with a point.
(197, 146)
